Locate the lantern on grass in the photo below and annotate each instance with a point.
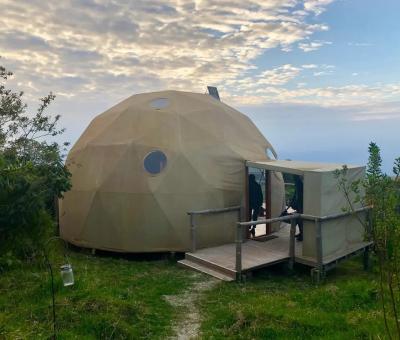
(67, 275)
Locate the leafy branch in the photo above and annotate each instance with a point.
(383, 193)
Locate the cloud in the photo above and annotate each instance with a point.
(313, 45)
(359, 44)
(147, 44)
(322, 73)
(309, 66)
(376, 111)
(323, 70)
(279, 76)
(319, 70)
(316, 6)
(331, 96)
(97, 50)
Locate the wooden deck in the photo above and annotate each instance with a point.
(219, 261)
(255, 254)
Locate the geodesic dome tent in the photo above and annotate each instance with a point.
(141, 165)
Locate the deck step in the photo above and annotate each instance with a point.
(197, 258)
(204, 269)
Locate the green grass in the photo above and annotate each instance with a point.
(273, 305)
(112, 299)
(116, 298)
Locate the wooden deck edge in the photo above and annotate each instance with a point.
(264, 265)
(210, 264)
(312, 263)
(193, 258)
(205, 270)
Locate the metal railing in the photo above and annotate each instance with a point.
(318, 220)
(193, 226)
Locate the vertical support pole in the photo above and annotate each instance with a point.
(366, 258)
(247, 213)
(246, 199)
(193, 232)
(239, 241)
(268, 199)
(318, 239)
(292, 243)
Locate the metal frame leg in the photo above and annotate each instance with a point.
(318, 275)
(239, 241)
(292, 244)
(366, 262)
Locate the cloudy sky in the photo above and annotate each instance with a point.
(320, 78)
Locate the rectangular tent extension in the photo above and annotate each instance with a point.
(322, 197)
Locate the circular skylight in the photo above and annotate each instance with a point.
(159, 103)
(155, 162)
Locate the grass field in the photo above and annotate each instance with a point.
(276, 306)
(112, 299)
(120, 298)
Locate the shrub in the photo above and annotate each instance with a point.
(382, 192)
(32, 172)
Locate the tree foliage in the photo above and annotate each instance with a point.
(32, 170)
(382, 192)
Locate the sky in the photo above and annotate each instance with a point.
(320, 78)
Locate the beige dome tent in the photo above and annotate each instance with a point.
(141, 165)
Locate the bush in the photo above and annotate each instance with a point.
(382, 192)
(32, 173)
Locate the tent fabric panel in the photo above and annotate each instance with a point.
(217, 229)
(129, 175)
(92, 165)
(322, 197)
(73, 211)
(122, 221)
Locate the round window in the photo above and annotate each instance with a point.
(155, 162)
(159, 103)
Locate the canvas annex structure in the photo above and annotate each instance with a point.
(168, 171)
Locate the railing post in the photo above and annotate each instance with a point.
(239, 241)
(292, 242)
(318, 239)
(193, 232)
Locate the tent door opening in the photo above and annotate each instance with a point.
(253, 209)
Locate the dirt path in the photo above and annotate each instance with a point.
(189, 325)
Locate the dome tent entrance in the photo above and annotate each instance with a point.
(141, 165)
(330, 235)
(322, 197)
